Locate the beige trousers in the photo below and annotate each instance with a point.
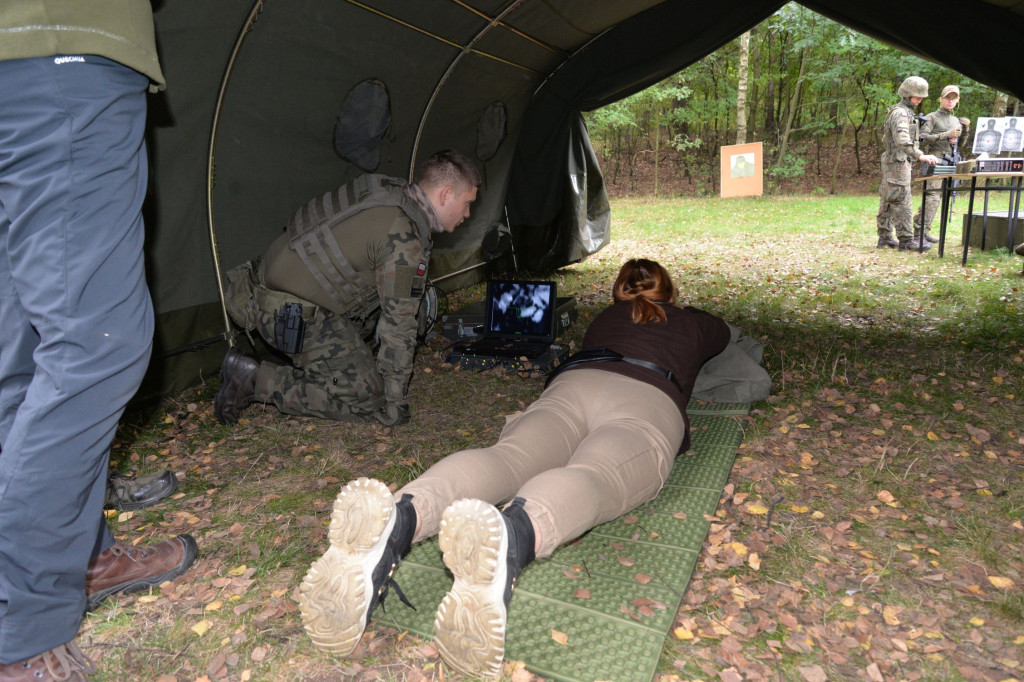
(593, 446)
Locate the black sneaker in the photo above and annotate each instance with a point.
(369, 535)
(128, 493)
(485, 550)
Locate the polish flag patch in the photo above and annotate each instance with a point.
(421, 269)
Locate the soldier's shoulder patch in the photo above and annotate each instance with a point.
(421, 269)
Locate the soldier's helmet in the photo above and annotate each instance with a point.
(914, 86)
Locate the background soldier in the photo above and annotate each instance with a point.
(940, 133)
(899, 138)
(350, 262)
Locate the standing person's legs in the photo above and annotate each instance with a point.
(72, 181)
(932, 200)
(884, 219)
(16, 365)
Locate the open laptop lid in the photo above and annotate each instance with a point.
(518, 309)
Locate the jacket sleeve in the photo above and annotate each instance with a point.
(400, 277)
(902, 137)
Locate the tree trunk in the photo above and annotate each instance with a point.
(791, 114)
(657, 154)
(839, 156)
(741, 89)
(999, 106)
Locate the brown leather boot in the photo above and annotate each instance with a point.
(65, 662)
(124, 568)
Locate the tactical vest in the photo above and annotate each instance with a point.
(893, 152)
(310, 236)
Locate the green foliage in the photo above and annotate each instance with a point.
(810, 81)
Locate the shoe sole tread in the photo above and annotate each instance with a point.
(334, 596)
(470, 623)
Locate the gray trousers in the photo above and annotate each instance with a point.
(593, 446)
(77, 327)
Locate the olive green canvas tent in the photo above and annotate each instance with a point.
(274, 102)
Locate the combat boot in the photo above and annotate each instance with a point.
(931, 239)
(1020, 249)
(913, 245)
(237, 386)
(887, 242)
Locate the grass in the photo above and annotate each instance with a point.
(892, 445)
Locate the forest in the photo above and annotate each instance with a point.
(812, 91)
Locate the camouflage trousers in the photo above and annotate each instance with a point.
(894, 210)
(334, 376)
(932, 200)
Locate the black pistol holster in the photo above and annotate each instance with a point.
(289, 328)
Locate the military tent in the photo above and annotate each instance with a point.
(272, 102)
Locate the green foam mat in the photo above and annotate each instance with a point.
(695, 407)
(614, 593)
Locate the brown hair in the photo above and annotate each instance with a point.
(448, 167)
(645, 283)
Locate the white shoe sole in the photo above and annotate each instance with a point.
(335, 595)
(469, 628)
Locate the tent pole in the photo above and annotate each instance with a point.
(212, 163)
(466, 49)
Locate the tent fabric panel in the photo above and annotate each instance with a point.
(903, 26)
(195, 40)
(276, 147)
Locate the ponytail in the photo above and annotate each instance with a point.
(646, 283)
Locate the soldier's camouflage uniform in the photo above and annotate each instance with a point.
(899, 138)
(335, 375)
(935, 141)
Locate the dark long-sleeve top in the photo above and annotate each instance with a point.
(681, 344)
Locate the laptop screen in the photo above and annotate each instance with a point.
(518, 309)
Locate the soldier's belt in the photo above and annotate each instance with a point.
(271, 300)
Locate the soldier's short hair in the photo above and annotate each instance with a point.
(448, 167)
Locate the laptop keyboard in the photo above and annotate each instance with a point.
(507, 349)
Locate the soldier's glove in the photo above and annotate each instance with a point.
(392, 414)
(953, 134)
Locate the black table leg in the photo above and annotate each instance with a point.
(943, 211)
(970, 219)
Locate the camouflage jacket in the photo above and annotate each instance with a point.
(384, 246)
(899, 134)
(935, 132)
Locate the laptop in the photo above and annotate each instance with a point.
(519, 320)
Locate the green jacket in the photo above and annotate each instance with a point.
(935, 132)
(120, 30)
(899, 134)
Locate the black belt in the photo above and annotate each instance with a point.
(608, 355)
